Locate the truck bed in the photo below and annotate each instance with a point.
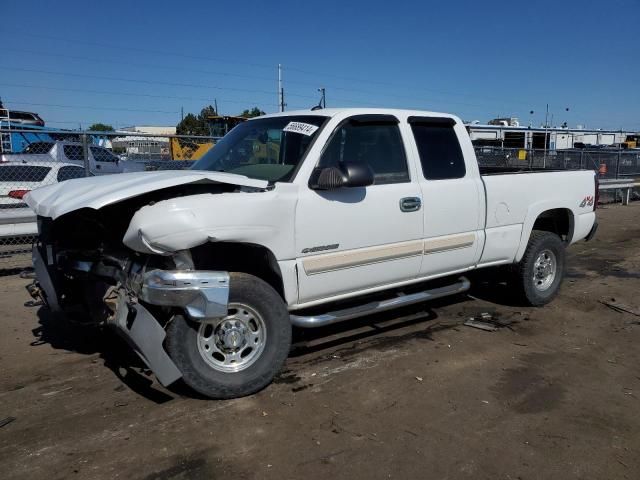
(504, 170)
(514, 201)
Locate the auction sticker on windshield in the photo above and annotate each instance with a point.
(300, 127)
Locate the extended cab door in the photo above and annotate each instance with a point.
(454, 204)
(351, 239)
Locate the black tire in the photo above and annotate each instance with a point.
(182, 343)
(524, 282)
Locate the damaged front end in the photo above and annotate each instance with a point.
(137, 295)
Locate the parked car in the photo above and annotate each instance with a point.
(101, 160)
(300, 218)
(17, 220)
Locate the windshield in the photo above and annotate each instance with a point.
(265, 149)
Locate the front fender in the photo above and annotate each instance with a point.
(262, 218)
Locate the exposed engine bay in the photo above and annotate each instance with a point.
(86, 272)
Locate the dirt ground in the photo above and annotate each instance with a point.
(411, 394)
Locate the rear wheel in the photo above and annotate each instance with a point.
(239, 354)
(539, 274)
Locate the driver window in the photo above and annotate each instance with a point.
(377, 144)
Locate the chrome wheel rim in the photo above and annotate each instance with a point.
(235, 342)
(544, 270)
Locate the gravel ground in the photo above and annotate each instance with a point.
(408, 394)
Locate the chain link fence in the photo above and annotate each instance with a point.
(610, 163)
(35, 158)
(32, 159)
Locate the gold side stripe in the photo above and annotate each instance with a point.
(364, 256)
(432, 245)
(359, 257)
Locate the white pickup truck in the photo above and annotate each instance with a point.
(300, 218)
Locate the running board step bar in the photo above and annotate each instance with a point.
(462, 285)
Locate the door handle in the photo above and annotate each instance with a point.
(410, 204)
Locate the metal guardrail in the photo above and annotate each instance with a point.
(624, 185)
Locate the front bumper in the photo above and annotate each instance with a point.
(203, 294)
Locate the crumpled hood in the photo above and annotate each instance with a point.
(96, 192)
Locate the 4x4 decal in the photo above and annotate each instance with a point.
(587, 201)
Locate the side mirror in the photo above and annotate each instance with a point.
(349, 174)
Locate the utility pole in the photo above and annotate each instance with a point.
(215, 105)
(280, 90)
(546, 126)
(181, 113)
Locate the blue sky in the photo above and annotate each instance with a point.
(140, 62)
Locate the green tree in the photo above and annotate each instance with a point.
(196, 124)
(100, 127)
(254, 112)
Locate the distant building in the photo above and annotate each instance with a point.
(508, 133)
(505, 122)
(150, 129)
(139, 146)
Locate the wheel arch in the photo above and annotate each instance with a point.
(560, 221)
(250, 258)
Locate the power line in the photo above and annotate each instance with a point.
(149, 82)
(164, 67)
(129, 94)
(138, 64)
(89, 107)
(144, 50)
(271, 67)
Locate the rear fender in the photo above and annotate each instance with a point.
(533, 213)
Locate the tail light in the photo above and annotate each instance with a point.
(18, 193)
(596, 195)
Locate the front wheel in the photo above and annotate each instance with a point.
(539, 274)
(239, 354)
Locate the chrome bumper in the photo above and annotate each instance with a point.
(203, 294)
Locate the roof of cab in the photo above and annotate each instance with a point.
(331, 112)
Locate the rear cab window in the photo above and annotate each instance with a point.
(371, 139)
(438, 146)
